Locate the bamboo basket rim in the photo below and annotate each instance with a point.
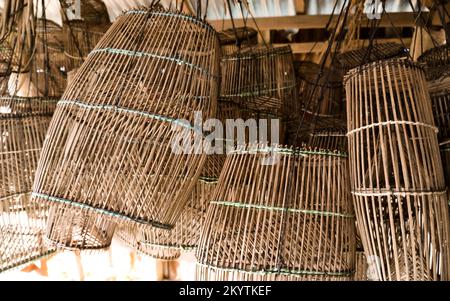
(303, 151)
(406, 62)
(156, 10)
(227, 36)
(257, 52)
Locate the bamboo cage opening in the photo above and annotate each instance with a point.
(109, 147)
(289, 221)
(397, 181)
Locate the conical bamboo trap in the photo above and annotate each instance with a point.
(440, 98)
(23, 125)
(437, 61)
(397, 181)
(319, 100)
(109, 148)
(233, 40)
(261, 79)
(378, 51)
(79, 40)
(292, 220)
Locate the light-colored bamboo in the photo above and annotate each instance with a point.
(292, 220)
(397, 181)
(23, 125)
(109, 147)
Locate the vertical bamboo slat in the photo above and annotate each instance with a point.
(397, 181)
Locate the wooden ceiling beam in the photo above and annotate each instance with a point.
(403, 19)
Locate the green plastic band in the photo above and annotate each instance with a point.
(152, 55)
(27, 261)
(171, 14)
(258, 93)
(272, 208)
(208, 180)
(130, 111)
(100, 210)
(169, 247)
(287, 151)
(276, 271)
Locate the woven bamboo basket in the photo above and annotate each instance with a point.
(440, 97)
(23, 125)
(109, 147)
(233, 40)
(437, 61)
(320, 92)
(320, 101)
(79, 40)
(292, 220)
(397, 180)
(357, 57)
(260, 79)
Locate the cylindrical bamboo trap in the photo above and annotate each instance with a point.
(397, 181)
(23, 125)
(261, 79)
(233, 40)
(292, 220)
(437, 61)
(110, 147)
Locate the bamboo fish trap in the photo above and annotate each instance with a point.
(23, 125)
(260, 79)
(79, 40)
(292, 220)
(440, 98)
(109, 147)
(437, 61)
(233, 40)
(397, 181)
(354, 58)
